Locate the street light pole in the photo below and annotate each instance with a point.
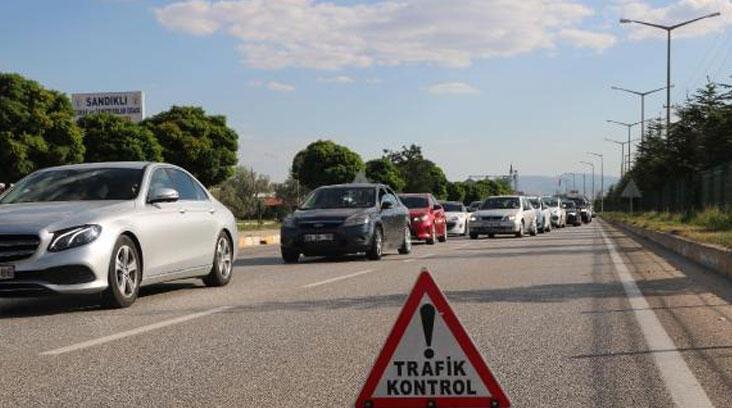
(628, 126)
(668, 54)
(602, 179)
(643, 104)
(593, 177)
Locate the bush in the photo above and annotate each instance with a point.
(713, 219)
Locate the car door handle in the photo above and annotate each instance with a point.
(212, 211)
(182, 210)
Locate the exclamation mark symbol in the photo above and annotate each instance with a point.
(427, 312)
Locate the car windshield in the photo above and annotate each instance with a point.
(550, 201)
(76, 185)
(452, 207)
(415, 201)
(342, 197)
(501, 203)
(569, 204)
(535, 202)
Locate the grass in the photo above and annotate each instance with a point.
(712, 226)
(254, 225)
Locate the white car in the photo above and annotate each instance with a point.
(503, 215)
(457, 217)
(558, 213)
(543, 214)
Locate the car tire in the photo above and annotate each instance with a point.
(406, 247)
(124, 275)
(548, 228)
(443, 238)
(473, 235)
(223, 263)
(520, 233)
(433, 236)
(377, 245)
(289, 256)
(467, 230)
(491, 236)
(534, 230)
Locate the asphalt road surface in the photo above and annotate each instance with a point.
(579, 317)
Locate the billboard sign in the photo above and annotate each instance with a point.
(128, 104)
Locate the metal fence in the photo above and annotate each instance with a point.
(708, 188)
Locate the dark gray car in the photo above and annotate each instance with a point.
(345, 219)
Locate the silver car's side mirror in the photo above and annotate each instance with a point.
(164, 195)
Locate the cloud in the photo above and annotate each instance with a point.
(325, 35)
(452, 88)
(587, 39)
(676, 12)
(272, 85)
(279, 87)
(340, 79)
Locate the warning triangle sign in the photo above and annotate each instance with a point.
(429, 360)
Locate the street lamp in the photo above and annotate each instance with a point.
(643, 103)
(602, 179)
(628, 126)
(668, 30)
(593, 177)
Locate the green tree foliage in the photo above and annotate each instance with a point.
(113, 138)
(324, 162)
(291, 192)
(455, 191)
(242, 192)
(477, 190)
(420, 175)
(200, 143)
(701, 138)
(37, 128)
(384, 171)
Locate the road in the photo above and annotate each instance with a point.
(580, 317)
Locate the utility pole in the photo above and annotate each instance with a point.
(668, 30)
(643, 104)
(602, 179)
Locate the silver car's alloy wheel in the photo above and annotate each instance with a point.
(223, 257)
(126, 271)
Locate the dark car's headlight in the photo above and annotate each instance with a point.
(358, 219)
(74, 237)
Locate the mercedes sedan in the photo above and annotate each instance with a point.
(111, 228)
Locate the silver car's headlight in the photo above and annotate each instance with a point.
(74, 237)
(359, 219)
(473, 218)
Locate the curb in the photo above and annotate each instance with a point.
(715, 258)
(258, 239)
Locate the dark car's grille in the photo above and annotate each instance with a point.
(17, 247)
(319, 224)
(492, 218)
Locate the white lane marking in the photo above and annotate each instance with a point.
(680, 382)
(336, 279)
(133, 332)
(408, 260)
(426, 256)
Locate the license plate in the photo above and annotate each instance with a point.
(7, 272)
(318, 237)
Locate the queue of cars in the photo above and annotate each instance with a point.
(112, 228)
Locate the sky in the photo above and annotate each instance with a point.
(479, 84)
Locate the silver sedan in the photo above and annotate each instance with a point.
(112, 228)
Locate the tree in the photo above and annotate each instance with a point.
(420, 175)
(112, 138)
(324, 162)
(241, 192)
(200, 143)
(37, 128)
(455, 191)
(290, 192)
(384, 171)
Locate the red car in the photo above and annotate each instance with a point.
(427, 217)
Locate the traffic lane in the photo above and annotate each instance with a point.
(693, 304)
(46, 378)
(259, 274)
(315, 347)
